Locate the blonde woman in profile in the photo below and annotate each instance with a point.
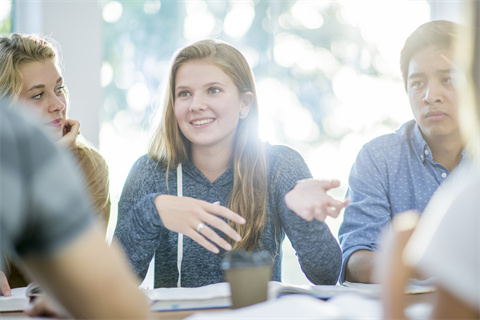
(30, 74)
(208, 176)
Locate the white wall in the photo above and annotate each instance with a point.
(447, 10)
(76, 25)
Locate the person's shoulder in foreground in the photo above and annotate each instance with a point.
(46, 222)
(446, 242)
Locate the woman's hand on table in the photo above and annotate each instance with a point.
(195, 218)
(309, 199)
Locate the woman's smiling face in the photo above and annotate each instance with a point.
(208, 105)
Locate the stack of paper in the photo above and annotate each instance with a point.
(207, 297)
(18, 301)
(289, 307)
(218, 295)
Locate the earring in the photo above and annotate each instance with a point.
(242, 113)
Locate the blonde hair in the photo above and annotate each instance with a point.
(17, 50)
(95, 171)
(170, 147)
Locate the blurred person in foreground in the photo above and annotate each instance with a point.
(49, 226)
(30, 73)
(402, 170)
(444, 243)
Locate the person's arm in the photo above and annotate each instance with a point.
(139, 229)
(318, 252)
(184, 215)
(309, 199)
(449, 306)
(145, 212)
(390, 268)
(90, 280)
(4, 285)
(53, 230)
(365, 216)
(360, 266)
(393, 273)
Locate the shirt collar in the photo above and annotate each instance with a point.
(421, 147)
(196, 174)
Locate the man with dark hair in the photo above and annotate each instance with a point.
(401, 171)
(47, 223)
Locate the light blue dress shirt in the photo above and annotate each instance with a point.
(392, 173)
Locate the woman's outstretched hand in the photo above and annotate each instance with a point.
(309, 199)
(194, 218)
(72, 130)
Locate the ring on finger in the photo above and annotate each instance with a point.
(200, 226)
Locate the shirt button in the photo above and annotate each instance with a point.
(421, 156)
(444, 175)
(426, 152)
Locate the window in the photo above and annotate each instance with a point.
(5, 17)
(327, 72)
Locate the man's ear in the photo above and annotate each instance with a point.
(246, 104)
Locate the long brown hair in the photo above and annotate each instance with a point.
(170, 147)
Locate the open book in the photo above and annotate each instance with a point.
(207, 297)
(414, 286)
(18, 301)
(218, 295)
(20, 298)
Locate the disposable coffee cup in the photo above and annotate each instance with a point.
(248, 274)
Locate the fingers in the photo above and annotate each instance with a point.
(4, 286)
(72, 129)
(322, 208)
(184, 215)
(331, 208)
(309, 199)
(222, 226)
(330, 184)
(205, 234)
(211, 219)
(228, 214)
(318, 185)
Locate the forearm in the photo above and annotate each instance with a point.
(359, 267)
(318, 253)
(449, 306)
(326, 267)
(84, 278)
(137, 231)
